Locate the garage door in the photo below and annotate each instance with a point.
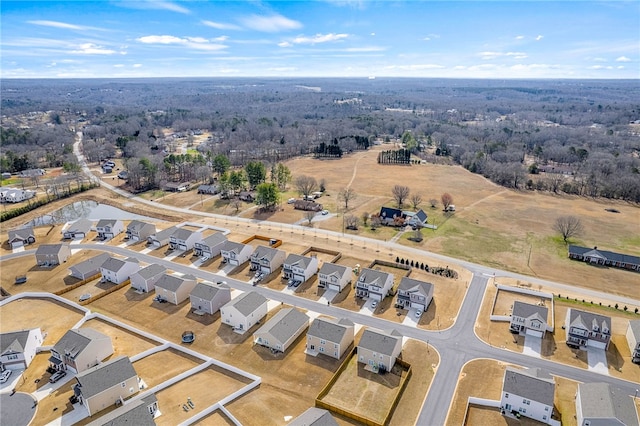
(182, 247)
(417, 305)
(265, 269)
(156, 243)
(534, 333)
(17, 244)
(334, 287)
(233, 262)
(594, 344)
(374, 296)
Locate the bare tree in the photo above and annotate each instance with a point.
(375, 222)
(236, 204)
(309, 215)
(351, 222)
(446, 200)
(415, 199)
(306, 185)
(400, 194)
(434, 203)
(568, 226)
(365, 218)
(346, 195)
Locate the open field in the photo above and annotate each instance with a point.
(160, 366)
(124, 341)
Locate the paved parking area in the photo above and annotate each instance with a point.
(532, 346)
(597, 359)
(17, 409)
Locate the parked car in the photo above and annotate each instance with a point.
(291, 200)
(84, 297)
(290, 283)
(57, 376)
(374, 304)
(418, 313)
(4, 376)
(296, 284)
(325, 212)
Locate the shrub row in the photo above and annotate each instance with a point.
(437, 270)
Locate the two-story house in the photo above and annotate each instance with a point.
(587, 329)
(80, 349)
(299, 268)
(18, 348)
(633, 339)
(528, 392)
(136, 412)
(334, 277)
(21, 237)
(528, 319)
(209, 298)
(418, 219)
(244, 311)
(267, 259)
(106, 384)
(209, 247)
(138, 230)
(282, 329)
(77, 230)
(117, 271)
(414, 294)
(52, 254)
(88, 268)
(109, 228)
(329, 336)
(235, 253)
(379, 349)
(175, 289)
(161, 238)
(144, 280)
(373, 284)
(184, 239)
(603, 404)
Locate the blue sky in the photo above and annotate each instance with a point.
(332, 38)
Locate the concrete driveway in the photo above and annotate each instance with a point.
(597, 359)
(532, 346)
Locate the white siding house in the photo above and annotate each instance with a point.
(175, 289)
(244, 311)
(18, 348)
(109, 228)
(282, 329)
(184, 239)
(80, 349)
(117, 270)
(373, 284)
(235, 253)
(88, 268)
(334, 277)
(528, 319)
(145, 279)
(299, 268)
(529, 393)
(209, 298)
(78, 229)
(161, 238)
(633, 339)
(587, 329)
(267, 259)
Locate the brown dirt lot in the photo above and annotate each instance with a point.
(161, 366)
(124, 341)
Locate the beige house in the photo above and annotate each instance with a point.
(329, 336)
(52, 254)
(80, 349)
(137, 412)
(379, 349)
(244, 311)
(106, 385)
(175, 289)
(209, 298)
(144, 280)
(282, 329)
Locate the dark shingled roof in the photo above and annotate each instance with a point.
(529, 383)
(104, 376)
(247, 302)
(133, 413)
(329, 329)
(605, 254)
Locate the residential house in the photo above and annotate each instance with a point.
(329, 336)
(138, 230)
(299, 268)
(15, 195)
(138, 412)
(414, 294)
(209, 247)
(391, 217)
(379, 349)
(246, 196)
(528, 319)
(175, 289)
(144, 280)
(587, 329)
(417, 219)
(77, 230)
(161, 238)
(373, 284)
(209, 189)
(235, 253)
(307, 205)
(88, 268)
(52, 254)
(604, 258)
(109, 228)
(528, 392)
(184, 239)
(106, 384)
(601, 404)
(21, 237)
(209, 298)
(282, 329)
(633, 339)
(244, 311)
(32, 172)
(314, 417)
(334, 277)
(267, 259)
(18, 348)
(80, 349)
(177, 186)
(117, 270)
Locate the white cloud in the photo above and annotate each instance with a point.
(488, 55)
(520, 37)
(118, 65)
(365, 49)
(93, 49)
(623, 59)
(221, 25)
(414, 67)
(270, 24)
(620, 67)
(63, 25)
(198, 43)
(316, 39)
(540, 37)
(137, 65)
(599, 60)
(153, 5)
(600, 67)
(372, 34)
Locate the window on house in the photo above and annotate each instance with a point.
(506, 395)
(321, 349)
(12, 357)
(546, 408)
(123, 384)
(322, 342)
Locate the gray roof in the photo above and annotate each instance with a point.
(233, 246)
(527, 310)
(314, 417)
(182, 234)
(328, 268)
(604, 254)
(106, 222)
(587, 320)
(421, 215)
(91, 265)
(264, 252)
(284, 324)
(173, 282)
(13, 342)
(297, 260)
(635, 329)
(329, 329)
(214, 239)
(410, 285)
(208, 291)
(50, 248)
(22, 233)
(380, 341)
(531, 383)
(114, 264)
(151, 271)
(603, 401)
(133, 413)
(104, 376)
(165, 233)
(371, 276)
(137, 225)
(81, 225)
(76, 340)
(247, 302)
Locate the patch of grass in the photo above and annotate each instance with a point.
(588, 304)
(152, 194)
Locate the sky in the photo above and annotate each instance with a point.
(331, 38)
